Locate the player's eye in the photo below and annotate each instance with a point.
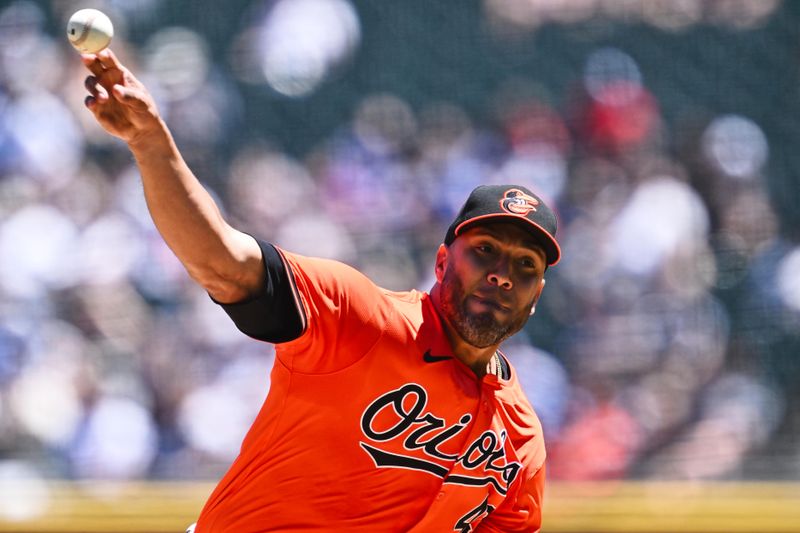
(529, 267)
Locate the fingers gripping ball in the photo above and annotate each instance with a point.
(89, 31)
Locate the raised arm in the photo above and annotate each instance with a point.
(225, 261)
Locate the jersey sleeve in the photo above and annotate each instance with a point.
(521, 512)
(322, 315)
(344, 312)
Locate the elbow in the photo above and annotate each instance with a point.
(233, 274)
(221, 288)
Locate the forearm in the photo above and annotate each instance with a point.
(216, 255)
(226, 262)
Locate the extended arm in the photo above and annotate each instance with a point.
(225, 261)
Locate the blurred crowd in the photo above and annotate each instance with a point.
(664, 347)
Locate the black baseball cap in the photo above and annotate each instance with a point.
(509, 202)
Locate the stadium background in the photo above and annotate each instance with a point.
(663, 359)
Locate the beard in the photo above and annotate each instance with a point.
(481, 330)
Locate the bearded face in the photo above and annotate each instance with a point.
(482, 327)
(489, 279)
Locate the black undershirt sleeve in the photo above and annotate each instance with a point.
(273, 315)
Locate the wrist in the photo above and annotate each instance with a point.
(156, 137)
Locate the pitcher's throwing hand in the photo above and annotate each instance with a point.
(120, 103)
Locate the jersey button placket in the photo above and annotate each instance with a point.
(488, 389)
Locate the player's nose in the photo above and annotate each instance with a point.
(500, 275)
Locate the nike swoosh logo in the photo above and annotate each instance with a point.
(428, 358)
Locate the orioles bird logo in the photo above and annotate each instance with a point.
(517, 202)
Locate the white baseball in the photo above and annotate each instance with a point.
(89, 31)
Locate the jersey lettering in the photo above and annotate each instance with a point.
(403, 410)
(464, 524)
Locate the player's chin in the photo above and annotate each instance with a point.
(499, 326)
(482, 329)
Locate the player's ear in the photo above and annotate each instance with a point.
(536, 296)
(441, 262)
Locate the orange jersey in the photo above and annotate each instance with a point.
(371, 425)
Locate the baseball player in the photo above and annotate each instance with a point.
(387, 411)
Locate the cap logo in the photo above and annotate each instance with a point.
(516, 202)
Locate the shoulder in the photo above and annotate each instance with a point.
(330, 280)
(411, 298)
(322, 268)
